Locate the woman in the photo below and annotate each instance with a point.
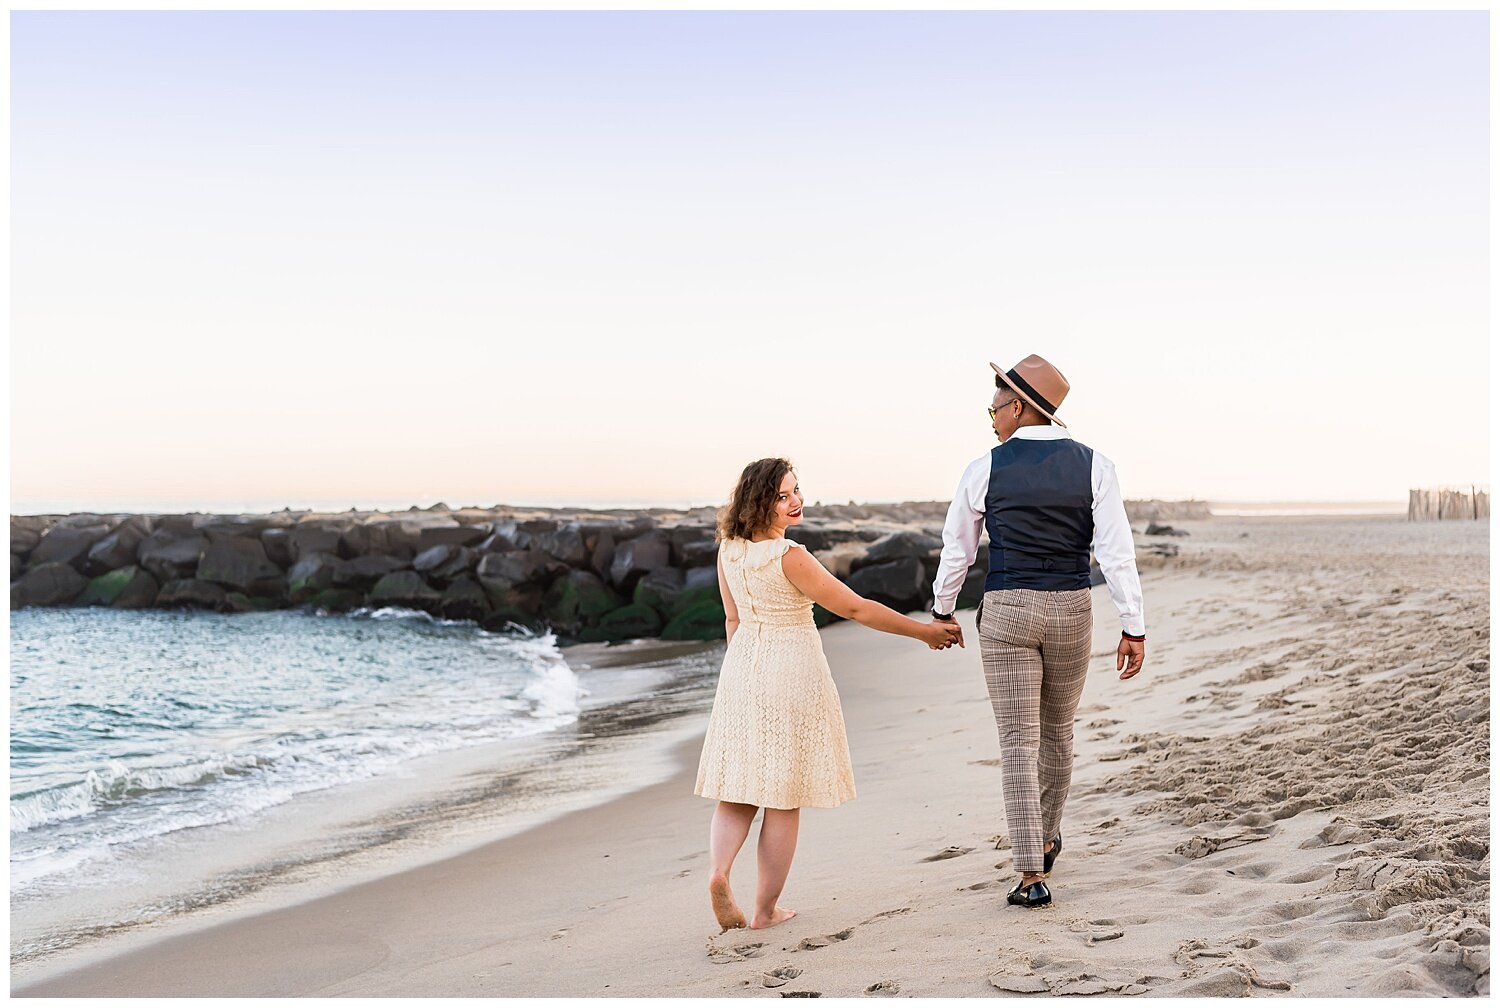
(776, 735)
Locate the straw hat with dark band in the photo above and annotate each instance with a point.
(1040, 384)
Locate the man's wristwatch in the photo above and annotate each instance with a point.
(945, 617)
(1133, 637)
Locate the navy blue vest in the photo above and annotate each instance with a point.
(1039, 512)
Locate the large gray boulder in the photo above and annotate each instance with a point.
(576, 599)
(703, 620)
(690, 543)
(126, 588)
(602, 551)
(518, 569)
(700, 554)
(88, 519)
(169, 553)
(312, 574)
(395, 537)
(191, 593)
(139, 593)
(277, 542)
(659, 589)
(68, 544)
(502, 537)
(897, 546)
(444, 563)
(319, 535)
(406, 588)
(364, 571)
(564, 544)
(626, 623)
(226, 528)
(236, 562)
(184, 524)
(449, 533)
(464, 599)
(525, 534)
(700, 577)
(47, 584)
(26, 531)
(972, 591)
(818, 537)
(898, 584)
(637, 557)
(118, 548)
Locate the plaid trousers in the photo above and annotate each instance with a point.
(1035, 646)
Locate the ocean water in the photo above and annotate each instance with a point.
(129, 726)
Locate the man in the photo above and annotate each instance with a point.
(1046, 500)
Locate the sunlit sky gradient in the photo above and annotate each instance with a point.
(353, 258)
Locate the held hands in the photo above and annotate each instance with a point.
(1130, 657)
(939, 635)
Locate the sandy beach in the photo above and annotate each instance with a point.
(1292, 799)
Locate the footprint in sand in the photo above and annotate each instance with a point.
(1337, 834)
(887, 913)
(823, 941)
(1062, 974)
(1226, 969)
(778, 977)
(885, 988)
(948, 852)
(737, 953)
(1202, 847)
(801, 993)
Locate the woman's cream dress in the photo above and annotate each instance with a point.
(776, 735)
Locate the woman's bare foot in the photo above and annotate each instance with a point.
(779, 916)
(726, 910)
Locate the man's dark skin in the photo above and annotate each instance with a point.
(1010, 413)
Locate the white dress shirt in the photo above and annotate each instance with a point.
(1113, 545)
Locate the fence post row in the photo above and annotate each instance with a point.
(1444, 504)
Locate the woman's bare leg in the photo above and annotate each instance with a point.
(778, 842)
(726, 835)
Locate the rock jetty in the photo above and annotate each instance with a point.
(586, 575)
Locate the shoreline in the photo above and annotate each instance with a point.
(1196, 864)
(431, 807)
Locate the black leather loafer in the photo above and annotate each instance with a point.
(1035, 895)
(1051, 856)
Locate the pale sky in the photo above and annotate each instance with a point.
(484, 257)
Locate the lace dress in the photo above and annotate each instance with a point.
(776, 735)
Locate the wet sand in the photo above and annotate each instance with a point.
(1292, 799)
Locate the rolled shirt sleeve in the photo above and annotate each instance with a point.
(961, 534)
(1114, 547)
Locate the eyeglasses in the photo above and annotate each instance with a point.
(996, 409)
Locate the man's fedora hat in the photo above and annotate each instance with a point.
(1039, 383)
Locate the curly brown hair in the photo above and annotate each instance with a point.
(753, 500)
